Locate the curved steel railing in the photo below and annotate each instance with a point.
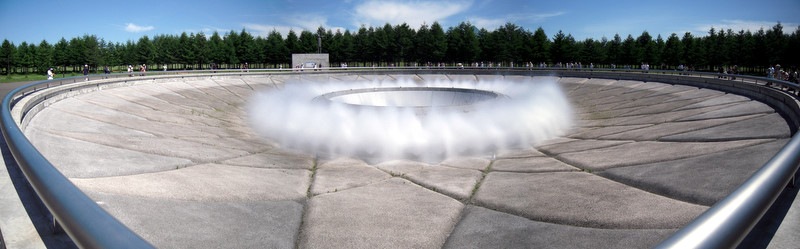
(728, 222)
(82, 219)
(724, 225)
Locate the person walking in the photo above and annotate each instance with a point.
(50, 74)
(86, 71)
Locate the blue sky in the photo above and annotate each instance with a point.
(120, 21)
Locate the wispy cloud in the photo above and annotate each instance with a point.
(263, 30)
(297, 22)
(494, 23)
(544, 16)
(737, 25)
(377, 13)
(133, 28)
(487, 23)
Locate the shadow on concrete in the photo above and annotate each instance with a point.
(764, 231)
(40, 217)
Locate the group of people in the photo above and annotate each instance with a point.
(142, 70)
(773, 72)
(776, 72)
(728, 70)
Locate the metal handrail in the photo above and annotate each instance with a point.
(723, 225)
(728, 222)
(82, 219)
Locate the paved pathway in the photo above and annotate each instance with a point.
(178, 164)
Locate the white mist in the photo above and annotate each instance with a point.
(527, 112)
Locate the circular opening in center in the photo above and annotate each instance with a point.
(411, 96)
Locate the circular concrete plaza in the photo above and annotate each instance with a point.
(177, 163)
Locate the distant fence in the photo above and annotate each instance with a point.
(724, 225)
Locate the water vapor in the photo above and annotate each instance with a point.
(527, 112)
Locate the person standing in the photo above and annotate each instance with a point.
(50, 74)
(130, 71)
(86, 71)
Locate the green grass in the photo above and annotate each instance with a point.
(21, 78)
(29, 77)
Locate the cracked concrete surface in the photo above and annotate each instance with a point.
(177, 163)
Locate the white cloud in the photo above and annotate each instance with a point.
(542, 16)
(130, 27)
(298, 23)
(263, 30)
(488, 24)
(307, 22)
(519, 19)
(378, 13)
(737, 25)
(310, 22)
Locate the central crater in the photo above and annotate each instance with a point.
(403, 119)
(418, 97)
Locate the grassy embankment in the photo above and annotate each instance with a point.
(29, 77)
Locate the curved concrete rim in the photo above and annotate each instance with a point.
(487, 202)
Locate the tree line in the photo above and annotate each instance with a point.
(508, 45)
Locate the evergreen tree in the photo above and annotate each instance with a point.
(392, 51)
(293, 43)
(362, 42)
(775, 45)
(61, 54)
(145, 52)
(308, 42)
(591, 52)
(793, 48)
(216, 46)
(629, 55)
(510, 39)
(7, 56)
(231, 49)
(91, 51)
(711, 44)
(24, 57)
(563, 48)
(326, 41)
(644, 49)
(694, 51)
(540, 46)
(348, 47)
(673, 51)
(762, 57)
(404, 37)
(261, 52)
(752, 51)
(201, 49)
(277, 52)
(186, 48)
(380, 45)
(658, 49)
(44, 56)
(336, 47)
(614, 50)
(462, 43)
(439, 42)
(423, 43)
(245, 48)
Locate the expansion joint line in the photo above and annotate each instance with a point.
(313, 177)
(305, 205)
(478, 184)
